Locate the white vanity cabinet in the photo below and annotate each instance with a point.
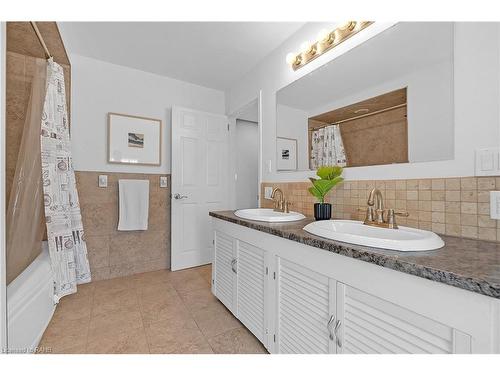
(305, 310)
(368, 324)
(239, 281)
(299, 299)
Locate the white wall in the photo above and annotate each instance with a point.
(476, 99)
(99, 87)
(247, 168)
(292, 123)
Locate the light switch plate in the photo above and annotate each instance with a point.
(163, 181)
(495, 204)
(268, 190)
(103, 181)
(487, 162)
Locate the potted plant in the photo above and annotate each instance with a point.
(329, 176)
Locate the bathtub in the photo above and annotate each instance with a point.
(30, 304)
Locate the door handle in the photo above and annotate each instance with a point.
(233, 265)
(329, 325)
(178, 196)
(336, 331)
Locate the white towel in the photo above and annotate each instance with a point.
(134, 204)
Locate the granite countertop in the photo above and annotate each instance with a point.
(468, 264)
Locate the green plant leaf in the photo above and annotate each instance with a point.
(329, 172)
(318, 194)
(329, 177)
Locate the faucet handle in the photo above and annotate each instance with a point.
(287, 206)
(391, 217)
(369, 213)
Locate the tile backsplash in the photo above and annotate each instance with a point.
(452, 206)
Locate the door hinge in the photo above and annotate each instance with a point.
(274, 338)
(274, 275)
(213, 242)
(227, 127)
(267, 271)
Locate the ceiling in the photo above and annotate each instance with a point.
(211, 54)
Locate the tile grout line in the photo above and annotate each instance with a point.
(90, 318)
(142, 319)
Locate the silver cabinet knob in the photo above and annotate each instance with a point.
(178, 196)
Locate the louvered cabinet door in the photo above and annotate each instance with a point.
(305, 300)
(224, 275)
(250, 294)
(369, 324)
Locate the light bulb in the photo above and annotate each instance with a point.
(348, 25)
(323, 35)
(305, 47)
(291, 58)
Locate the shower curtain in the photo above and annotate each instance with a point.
(327, 147)
(25, 219)
(68, 251)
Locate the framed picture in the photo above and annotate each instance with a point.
(287, 154)
(134, 139)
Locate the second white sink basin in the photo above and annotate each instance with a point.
(269, 215)
(355, 232)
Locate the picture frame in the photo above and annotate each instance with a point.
(134, 140)
(286, 154)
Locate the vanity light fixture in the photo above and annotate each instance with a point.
(326, 41)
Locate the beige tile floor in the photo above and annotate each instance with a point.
(153, 312)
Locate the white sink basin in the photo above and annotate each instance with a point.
(269, 215)
(355, 232)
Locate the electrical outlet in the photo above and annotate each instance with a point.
(163, 181)
(102, 181)
(268, 190)
(495, 204)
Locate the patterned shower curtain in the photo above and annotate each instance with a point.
(327, 147)
(68, 251)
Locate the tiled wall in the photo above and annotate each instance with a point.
(452, 206)
(113, 253)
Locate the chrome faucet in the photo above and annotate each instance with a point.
(280, 205)
(377, 216)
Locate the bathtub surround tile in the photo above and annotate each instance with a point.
(158, 320)
(113, 253)
(463, 199)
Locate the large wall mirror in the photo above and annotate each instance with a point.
(388, 100)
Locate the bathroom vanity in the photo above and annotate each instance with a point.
(300, 293)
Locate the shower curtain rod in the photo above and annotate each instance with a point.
(40, 38)
(358, 117)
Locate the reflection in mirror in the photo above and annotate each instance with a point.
(389, 100)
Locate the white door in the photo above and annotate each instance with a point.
(199, 183)
(305, 310)
(369, 324)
